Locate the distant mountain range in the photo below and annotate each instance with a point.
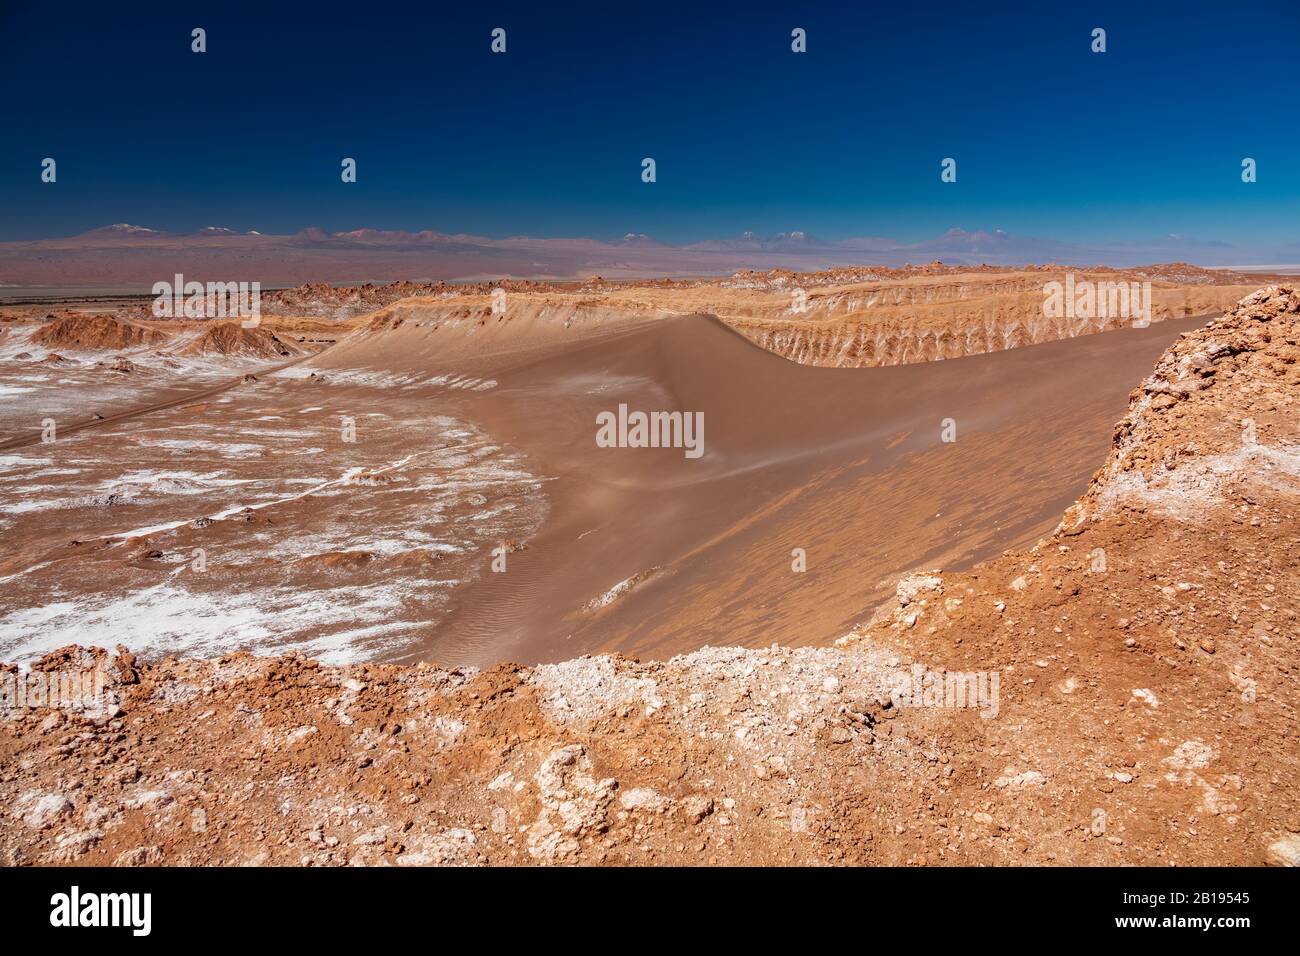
(127, 256)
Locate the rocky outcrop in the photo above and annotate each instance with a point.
(1221, 409)
(231, 338)
(77, 331)
(841, 318)
(896, 323)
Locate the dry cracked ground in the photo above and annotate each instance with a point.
(1145, 654)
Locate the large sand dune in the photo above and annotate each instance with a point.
(649, 550)
(475, 433)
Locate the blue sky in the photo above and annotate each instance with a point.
(547, 139)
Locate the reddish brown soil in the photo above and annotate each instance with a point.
(1148, 696)
(231, 338)
(95, 332)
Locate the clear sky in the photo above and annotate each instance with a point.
(547, 139)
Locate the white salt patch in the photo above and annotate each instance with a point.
(168, 619)
(35, 567)
(348, 475)
(409, 540)
(37, 616)
(1186, 492)
(280, 433)
(228, 449)
(39, 504)
(170, 482)
(613, 594)
(43, 473)
(8, 462)
(356, 645)
(351, 376)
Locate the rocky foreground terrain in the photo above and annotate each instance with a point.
(1140, 666)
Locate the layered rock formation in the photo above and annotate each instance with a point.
(851, 318)
(77, 331)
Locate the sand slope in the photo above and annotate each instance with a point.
(647, 550)
(475, 444)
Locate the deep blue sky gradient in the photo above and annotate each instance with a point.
(547, 140)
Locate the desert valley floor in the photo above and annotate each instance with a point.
(344, 484)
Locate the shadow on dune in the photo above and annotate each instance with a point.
(648, 551)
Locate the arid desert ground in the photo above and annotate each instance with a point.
(368, 563)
